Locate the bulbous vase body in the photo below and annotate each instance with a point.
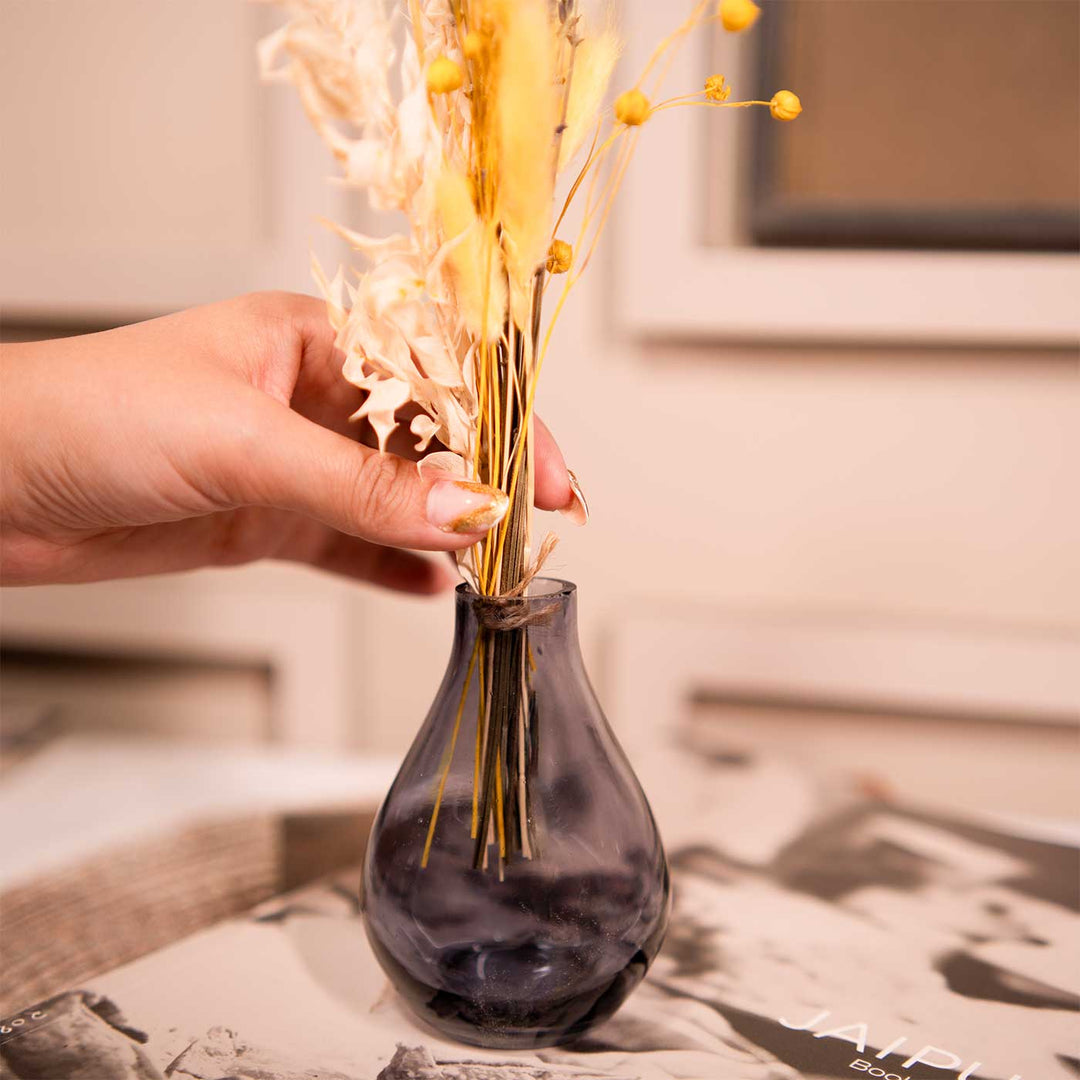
(533, 903)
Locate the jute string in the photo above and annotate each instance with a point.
(512, 613)
(512, 610)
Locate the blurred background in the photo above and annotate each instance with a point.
(820, 389)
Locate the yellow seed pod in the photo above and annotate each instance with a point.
(444, 75)
(560, 257)
(716, 88)
(736, 15)
(632, 108)
(472, 46)
(785, 105)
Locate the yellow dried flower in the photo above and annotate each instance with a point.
(632, 108)
(716, 88)
(594, 61)
(472, 46)
(444, 75)
(736, 15)
(526, 103)
(785, 105)
(560, 257)
(479, 278)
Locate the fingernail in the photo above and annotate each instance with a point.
(460, 506)
(577, 509)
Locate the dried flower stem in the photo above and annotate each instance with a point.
(445, 770)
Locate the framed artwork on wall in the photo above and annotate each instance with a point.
(976, 148)
(696, 258)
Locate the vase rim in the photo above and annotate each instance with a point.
(540, 589)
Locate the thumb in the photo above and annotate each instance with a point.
(298, 465)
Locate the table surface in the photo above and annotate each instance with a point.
(812, 929)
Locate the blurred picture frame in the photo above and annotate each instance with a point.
(686, 265)
(978, 149)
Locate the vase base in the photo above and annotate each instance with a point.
(489, 1019)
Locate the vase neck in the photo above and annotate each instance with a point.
(548, 615)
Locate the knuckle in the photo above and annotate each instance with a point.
(274, 310)
(281, 304)
(381, 491)
(255, 307)
(283, 325)
(264, 301)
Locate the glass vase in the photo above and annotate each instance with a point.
(515, 888)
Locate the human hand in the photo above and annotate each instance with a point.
(213, 437)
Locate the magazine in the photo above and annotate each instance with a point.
(870, 940)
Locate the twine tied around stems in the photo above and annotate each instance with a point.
(512, 610)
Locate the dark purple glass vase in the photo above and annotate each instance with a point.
(534, 904)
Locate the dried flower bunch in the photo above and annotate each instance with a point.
(482, 130)
(494, 101)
